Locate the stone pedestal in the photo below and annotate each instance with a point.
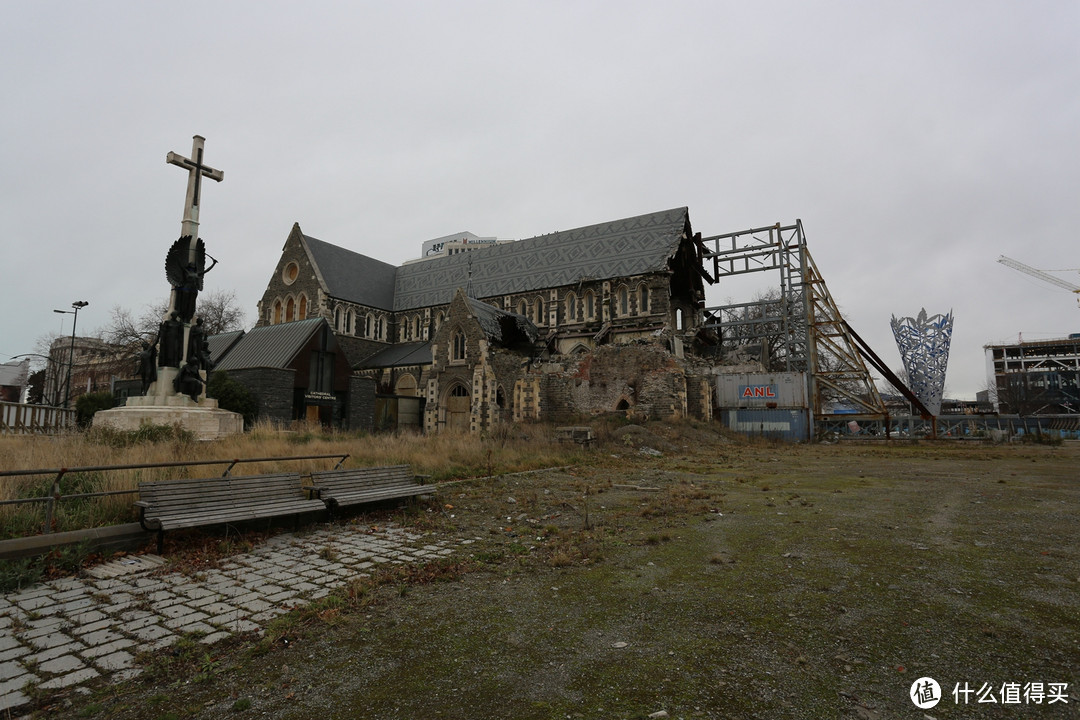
(205, 419)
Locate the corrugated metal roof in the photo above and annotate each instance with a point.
(353, 277)
(221, 344)
(412, 353)
(621, 248)
(273, 346)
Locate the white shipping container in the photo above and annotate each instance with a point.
(760, 390)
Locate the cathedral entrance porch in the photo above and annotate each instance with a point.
(458, 406)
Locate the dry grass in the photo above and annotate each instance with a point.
(444, 457)
(765, 580)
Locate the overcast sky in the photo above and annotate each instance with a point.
(916, 141)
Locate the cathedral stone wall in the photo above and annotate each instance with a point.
(612, 295)
(293, 278)
(699, 397)
(527, 399)
(361, 405)
(448, 371)
(272, 390)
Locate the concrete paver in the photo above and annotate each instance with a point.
(115, 661)
(66, 632)
(63, 681)
(63, 664)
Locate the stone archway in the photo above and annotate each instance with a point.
(406, 385)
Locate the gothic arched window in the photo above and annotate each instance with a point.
(458, 351)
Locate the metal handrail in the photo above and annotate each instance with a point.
(55, 495)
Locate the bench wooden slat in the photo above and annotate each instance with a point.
(168, 505)
(358, 498)
(353, 486)
(197, 519)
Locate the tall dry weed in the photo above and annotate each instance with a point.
(444, 456)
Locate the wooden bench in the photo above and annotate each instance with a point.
(175, 504)
(353, 486)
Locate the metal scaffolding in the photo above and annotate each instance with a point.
(798, 328)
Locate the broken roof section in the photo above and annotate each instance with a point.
(504, 327)
(621, 248)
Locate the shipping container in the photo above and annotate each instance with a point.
(761, 390)
(776, 424)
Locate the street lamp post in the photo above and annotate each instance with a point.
(78, 305)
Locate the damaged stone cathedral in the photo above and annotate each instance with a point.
(604, 318)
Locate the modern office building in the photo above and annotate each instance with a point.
(1038, 377)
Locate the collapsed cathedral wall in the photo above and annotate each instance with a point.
(643, 379)
(699, 397)
(527, 393)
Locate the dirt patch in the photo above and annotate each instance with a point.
(721, 581)
(636, 437)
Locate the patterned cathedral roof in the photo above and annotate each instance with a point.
(621, 248)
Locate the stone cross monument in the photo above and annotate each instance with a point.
(174, 366)
(185, 266)
(196, 171)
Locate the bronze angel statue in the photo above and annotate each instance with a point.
(186, 276)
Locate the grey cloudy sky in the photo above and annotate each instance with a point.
(917, 141)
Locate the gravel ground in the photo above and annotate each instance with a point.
(720, 580)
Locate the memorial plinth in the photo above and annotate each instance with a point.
(203, 419)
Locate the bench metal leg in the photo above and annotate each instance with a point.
(161, 542)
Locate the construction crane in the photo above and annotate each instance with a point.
(1040, 274)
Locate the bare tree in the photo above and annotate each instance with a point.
(126, 330)
(220, 312)
(218, 309)
(756, 329)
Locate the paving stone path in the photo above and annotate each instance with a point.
(66, 632)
